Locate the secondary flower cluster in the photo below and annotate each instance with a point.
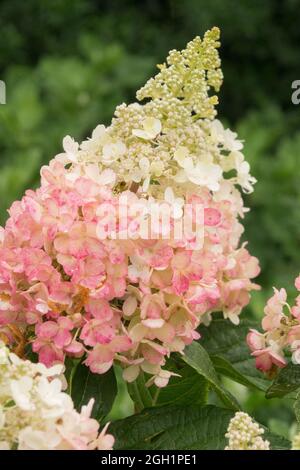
(244, 434)
(69, 291)
(281, 325)
(35, 414)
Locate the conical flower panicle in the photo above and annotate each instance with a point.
(186, 79)
(72, 285)
(172, 139)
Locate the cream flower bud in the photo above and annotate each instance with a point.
(244, 434)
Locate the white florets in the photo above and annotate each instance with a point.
(244, 434)
(35, 414)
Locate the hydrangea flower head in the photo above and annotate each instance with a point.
(68, 291)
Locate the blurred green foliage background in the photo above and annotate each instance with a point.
(68, 63)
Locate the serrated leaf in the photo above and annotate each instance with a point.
(197, 358)
(188, 389)
(276, 442)
(180, 428)
(101, 387)
(229, 352)
(287, 381)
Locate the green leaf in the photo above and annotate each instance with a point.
(173, 427)
(188, 389)
(229, 352)
(287, 381)
(277, 442)
(224, 367)
(101, 387)
(197, 358)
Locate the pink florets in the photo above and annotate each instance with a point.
(281, 325)
(133, 301)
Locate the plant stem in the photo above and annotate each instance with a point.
(140, 394)
(156, 395)
(136, 396)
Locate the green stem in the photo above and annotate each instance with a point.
(140, 394)
(156, 395)
(136, 397)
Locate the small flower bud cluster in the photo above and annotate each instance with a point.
(296, 442)
(244, 434)
(173, 138)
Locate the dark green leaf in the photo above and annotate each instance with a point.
(173, 427)
(224, 367)
(229, 352)
(277, 442)
(101, 387)
(287, 381)
(188, 389)
(197, 358)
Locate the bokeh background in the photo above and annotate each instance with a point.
(68, 63)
